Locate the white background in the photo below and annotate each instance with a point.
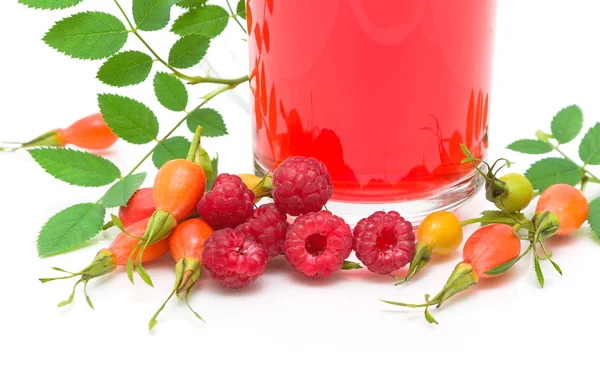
(546, 58)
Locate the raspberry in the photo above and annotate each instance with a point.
(229, 203)
(384, 242)
(301, 185)
(268, 226)
(233, 258)
(317, 244)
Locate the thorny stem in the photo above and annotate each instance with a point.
(234, 15)
(189, 79)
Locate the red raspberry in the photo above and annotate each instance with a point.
(301, 185)
(229, 203)
(384, 242)
(233, 258)
(268, 226)
(317, 244)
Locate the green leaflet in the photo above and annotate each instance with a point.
(594, 217)
(172, 148)
(121, 192)
(70, 228)
(530, 147)
(209, 20)
(152, 15)
(211, 121)
(87, 35)
(126, 69)
(129, 119)
(546, 172)
(589, 148)
(188, 51)
(191, 3)
(78, 168)
(170, 92)
(241, 9)
(49, 4)
(567, 124)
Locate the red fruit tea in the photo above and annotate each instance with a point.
(382, 91)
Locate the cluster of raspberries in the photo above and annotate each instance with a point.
(315, 244)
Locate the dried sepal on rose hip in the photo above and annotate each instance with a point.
(118, 254)
(301, 185)
(187, 246)
(384, 242)
(90, 133)
(317, 244)
(488, 248)
(440, 233)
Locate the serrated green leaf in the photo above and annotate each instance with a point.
(170, 92)
(191, 3)
(88, 35)
(78, 168)
(71, 227)
(152, 15)
(594, 217)
(129, 119)
(567, 124)
(209, 20)
(589, 148)
(530, 147)
(215, 170)
(125, 69)
(241, 9)
(546, 172)
(121, 192)
(49, 4)
(188, 51)
(211, 121)
(172, 148)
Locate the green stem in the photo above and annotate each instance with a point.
(234, 16)
(584, 182)
(499, 220)
(593, 178)
(124, 15)
(222, 81)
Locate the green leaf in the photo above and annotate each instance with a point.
(556, 267)
(71, 227)
(589, 148)
(121, 192)
(594, 216)
(530, 147)
(88, 35)
(567, 124)
(211, 121)
(351, 265)
(538, 270)
(170, 92)
(191, 3)
(188, 51)
(129, 119)
(152, 15)
(241, 9)
(215, 170)
(50, 4)
(78, 168)
(546, 172)
(209, 20)
(126, 69)
(172, 148)
(502, 268)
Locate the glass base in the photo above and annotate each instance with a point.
(449, 198)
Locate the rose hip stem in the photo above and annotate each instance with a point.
(90, 132)
(107, 260)
(187, 245)
(178, 186)
(485, 254)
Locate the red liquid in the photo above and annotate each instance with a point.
(382, 91)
